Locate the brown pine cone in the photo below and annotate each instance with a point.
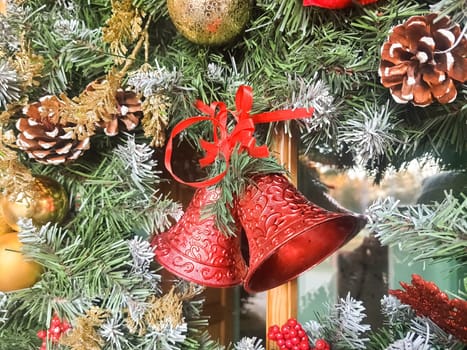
(422, 59)
(43, 138)
(128, 116)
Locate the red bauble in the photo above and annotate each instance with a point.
(335, 4)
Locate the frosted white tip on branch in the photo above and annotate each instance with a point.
(3, 310)
(138, 158)
(9, 84)
(429, 232)
(247, 343)
(347, 317)
(149, 80)
(370, 134)
(112, 332)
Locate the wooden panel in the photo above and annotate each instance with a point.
(282, 301)
(219, 307)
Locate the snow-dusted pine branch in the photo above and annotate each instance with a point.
(426, 232)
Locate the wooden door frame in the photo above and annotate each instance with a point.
(282, 300)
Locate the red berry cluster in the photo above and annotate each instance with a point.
(56, 329)
(321, 344)
(290, 336)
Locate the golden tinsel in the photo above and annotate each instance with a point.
(84, 334)
(28, 66)
(14, 176)
(155, 109)
(167, 309)
(122, 28)
(12, 109)
(94, 105)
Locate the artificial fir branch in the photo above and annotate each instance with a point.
(343, 324)
(371, 134)
(323, 125)
(3, 312)
(426, 232)
(411, 341)
(426, 329)
(9, 84)
(93, 259)
(113, 200)
(241, 173)
(457, 10)
(249, 344)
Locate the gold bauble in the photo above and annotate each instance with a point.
(15, 271)
(4, 227)
(46, 202)
(209, 22)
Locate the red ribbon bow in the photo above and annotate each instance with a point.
(224, 143)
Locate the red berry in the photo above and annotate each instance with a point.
(56, 330)
(291, 322)
(293, 333)
(285, 329)
(279, 336)
(286, 335)
(304, 345)
(284, 347)
(288, 343)
(295, 347)
(55, 338)
(321, 344)
(55, 321)
(65, 326)
(280, 342)
(42, 334)
(300, 333)
(274, 329)
(298, 327)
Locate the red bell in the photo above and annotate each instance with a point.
(195, 250)
(335, 4)
(287, 234)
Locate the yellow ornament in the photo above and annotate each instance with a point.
(4, 227)
(46, 202)
(209, 22)
(15, 271)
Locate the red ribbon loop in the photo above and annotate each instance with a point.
(223, 143)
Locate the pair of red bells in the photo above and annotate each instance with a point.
(286, 233)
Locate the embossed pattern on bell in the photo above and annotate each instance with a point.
(209, 22)
(195, 250)
(286, 232)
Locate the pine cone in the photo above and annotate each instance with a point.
(130, 113)
(422, 59)
(43, 138)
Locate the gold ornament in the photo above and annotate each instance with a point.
(15, 271)
(4, 227)
(45, 202)
(209, 22)
(3, 7)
